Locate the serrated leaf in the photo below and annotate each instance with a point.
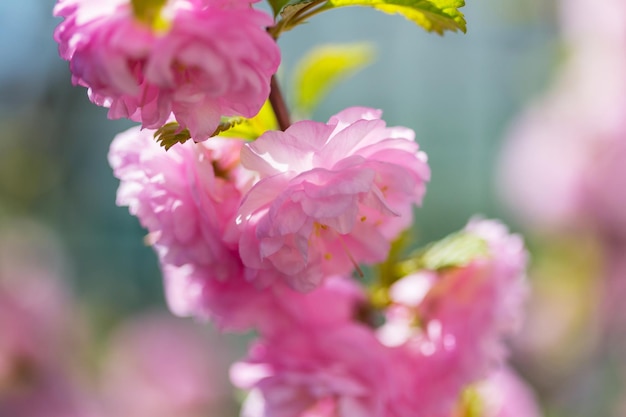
(433, 15)
(252, 128)
(170, 134)
(325, 66)
(293, 7)
(293, 13)
(456, 250)
(277, 5)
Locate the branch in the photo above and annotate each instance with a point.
(278, 105)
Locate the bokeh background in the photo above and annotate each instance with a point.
(460, 93)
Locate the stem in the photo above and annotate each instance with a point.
(278, 105)
(308, 12)
(289, 22)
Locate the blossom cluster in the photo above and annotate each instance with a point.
(267, 234)
(296, 207)
(136, 373)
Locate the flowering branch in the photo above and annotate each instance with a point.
(271, 225)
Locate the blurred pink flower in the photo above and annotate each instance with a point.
(35, 304)
(447, 329)
(561, 167)
(335, 371)
(504, 394)
(603, 183)
(200, 60)
(331, 196)
(313, 359)
(159, 366)
(237, 305)
(39, 329)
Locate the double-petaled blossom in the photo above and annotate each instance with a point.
(197, 59)
(447, 328)
(187, 198)
(315, 359)
(339, 370)
(331, 195)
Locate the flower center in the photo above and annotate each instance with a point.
(149, 13)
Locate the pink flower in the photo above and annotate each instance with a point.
(187, 198)
(464, 316)
(197, 59)
(330, 196)
(40, 329)
(313, 359)
(339, 371)
(564, 156)
(341, 368)
(505, 394)
(602, 181)
(237, 305)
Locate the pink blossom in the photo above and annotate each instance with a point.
(344, 369)
(464, 316)
(200, 60)
(238, 305)
(330, 196)
(339, 371)
(562, 162)
(187, 198)
(39, 329)
(35, 305)
(602, 182)
(557, 149)
(505, 394)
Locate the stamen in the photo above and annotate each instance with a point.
(345, 248)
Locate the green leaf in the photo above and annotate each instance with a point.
(455, 250)
(277, 5)
(433, 15)
(293, 7)
(234, 127)
(325, 66)
(252, 128)
(170, 134)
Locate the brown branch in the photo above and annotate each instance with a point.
(278, 104)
